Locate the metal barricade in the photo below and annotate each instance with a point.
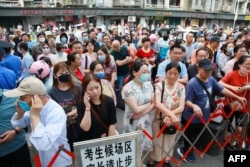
(214, 136)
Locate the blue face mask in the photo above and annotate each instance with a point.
(23, 105)
(230, 50)
(100, 75)
(63, 40)
(102, 58)
(86, 38)
(144, 78)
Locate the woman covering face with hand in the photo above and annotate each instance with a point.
(98, 110)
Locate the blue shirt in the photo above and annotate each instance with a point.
(162, 67)
(7, 78)
(26, 63)
(13, 63)
(197, 95)
(7, 109)
(49, 134)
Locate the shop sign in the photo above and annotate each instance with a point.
(164, 13)
(247, 18)
(198, 15)
(68, 18)
(46, 12)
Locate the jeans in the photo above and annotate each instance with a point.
(119, 82)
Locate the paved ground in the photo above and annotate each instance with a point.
(206, 161)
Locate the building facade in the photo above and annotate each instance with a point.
(171, 12)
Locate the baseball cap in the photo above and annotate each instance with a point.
(205, 64)
(28, 86)
(41, 33)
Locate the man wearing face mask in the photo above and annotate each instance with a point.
(200, 42)
(85, 37)
(37, 49)
(46, 118)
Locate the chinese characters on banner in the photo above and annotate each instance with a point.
(120, 154)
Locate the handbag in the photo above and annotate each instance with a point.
(170, 130)
(212, 102)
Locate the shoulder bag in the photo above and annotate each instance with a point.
(170, 130)
(212, 102)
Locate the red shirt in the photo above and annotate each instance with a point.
(234, 79)
(141, 54)
(79, 74)
(68, 50)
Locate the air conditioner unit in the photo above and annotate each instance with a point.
(131, 19)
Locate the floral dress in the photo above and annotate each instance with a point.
(142, 95)
(171, 100)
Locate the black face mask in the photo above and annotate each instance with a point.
(64, 78)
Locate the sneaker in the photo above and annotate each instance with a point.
(190, 156)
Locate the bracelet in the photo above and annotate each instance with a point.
(17, 132)
(87, 110)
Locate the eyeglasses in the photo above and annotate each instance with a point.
(177, 53)
(46, 48)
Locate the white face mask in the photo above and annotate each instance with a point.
(46, 51)
(42, 39)
(200, 44)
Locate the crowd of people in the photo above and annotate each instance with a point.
(65, 87)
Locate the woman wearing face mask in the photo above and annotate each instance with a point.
(108, 64)
(224, 57)
(60, 55)
(64, 40)
(97, 110)
(139, 102)
(238, 82)
(67, 95)
(107, 89)
(238, 52)
(46, 53)
(90, 51)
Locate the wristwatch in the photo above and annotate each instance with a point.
(17, 131)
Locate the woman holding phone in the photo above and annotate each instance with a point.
(98, 110)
